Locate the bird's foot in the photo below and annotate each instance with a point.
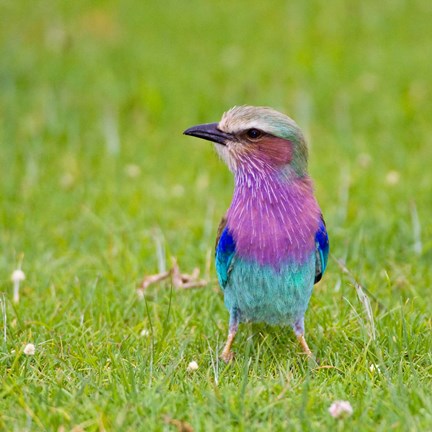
(306, 349)
(227, 356)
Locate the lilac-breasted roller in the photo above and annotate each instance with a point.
(272, 244)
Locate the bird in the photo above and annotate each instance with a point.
(272, 244)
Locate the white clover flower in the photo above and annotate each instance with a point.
(340, 409)
(145, 333)
(374, 368)
(192, 366)
(29, 349)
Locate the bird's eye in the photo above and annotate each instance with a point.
(253, 133)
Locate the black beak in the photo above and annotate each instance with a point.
(209, 132)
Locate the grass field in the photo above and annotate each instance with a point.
(96, 177)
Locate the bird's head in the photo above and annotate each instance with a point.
(250, 137)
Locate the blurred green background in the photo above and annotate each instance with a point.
(95, 173)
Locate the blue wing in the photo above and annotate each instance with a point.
(225, 249)
(322, 250)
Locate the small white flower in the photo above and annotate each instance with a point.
(374, 368)
(192, 366)
(145, 333)
(340, 409)
(29, 349)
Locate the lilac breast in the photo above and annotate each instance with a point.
(273, 219)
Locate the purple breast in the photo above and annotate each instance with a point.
(273, 219)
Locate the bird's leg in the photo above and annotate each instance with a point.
(227, 355)
(304, 345)
(298, 328)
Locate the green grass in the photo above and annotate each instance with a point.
(81, 211)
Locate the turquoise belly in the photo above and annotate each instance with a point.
(263, 294)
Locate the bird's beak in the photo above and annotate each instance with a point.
(209, 132)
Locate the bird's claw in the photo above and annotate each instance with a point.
(227, 356)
